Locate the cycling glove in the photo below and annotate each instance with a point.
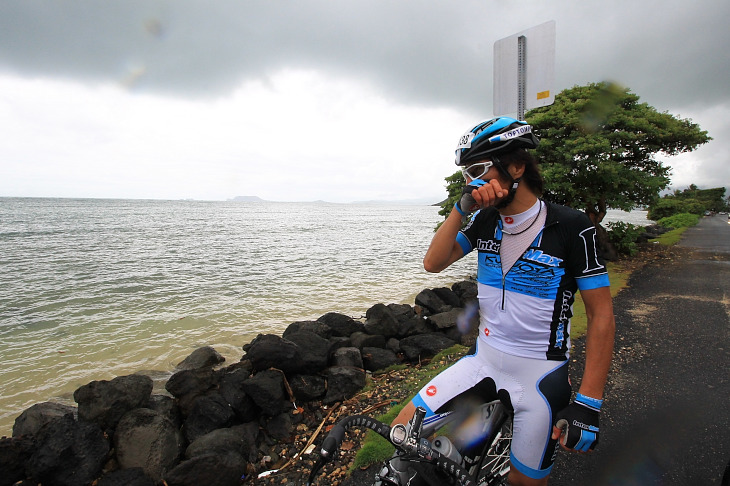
(579, 422)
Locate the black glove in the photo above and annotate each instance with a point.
(467, 205)
(579, 422)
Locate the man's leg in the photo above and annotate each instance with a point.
(405, 415)
(546, 390)
(516, 478)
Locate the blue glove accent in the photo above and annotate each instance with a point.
(589, 402)
(458, 209)
(587, 439)
(478, 182)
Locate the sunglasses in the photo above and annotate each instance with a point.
(475, 171)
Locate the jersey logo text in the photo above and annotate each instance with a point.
(540, 257)
(488, 245)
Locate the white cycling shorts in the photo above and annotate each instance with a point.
(535, 389)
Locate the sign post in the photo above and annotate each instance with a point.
(524, 70)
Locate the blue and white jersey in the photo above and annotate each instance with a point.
(527, 311)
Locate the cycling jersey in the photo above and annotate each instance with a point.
(526, 312)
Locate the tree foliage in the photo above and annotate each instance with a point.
(692, 200)
(454, 185)
(598, 149)
(598, 145)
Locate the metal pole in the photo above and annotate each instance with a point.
(521, 76)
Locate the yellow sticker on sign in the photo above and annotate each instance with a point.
(543, 94)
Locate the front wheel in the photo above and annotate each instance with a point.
(493, 466)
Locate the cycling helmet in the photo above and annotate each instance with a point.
(492, 137)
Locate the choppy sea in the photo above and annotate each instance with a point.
(91, 289)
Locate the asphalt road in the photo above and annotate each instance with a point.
(666, 418)
(712, 234)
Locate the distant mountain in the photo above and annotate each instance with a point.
(397, 202)
(403, 202)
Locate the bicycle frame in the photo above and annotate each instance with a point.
(486, 454)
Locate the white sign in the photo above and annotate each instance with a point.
(538, 70)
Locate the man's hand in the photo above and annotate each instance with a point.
(489, 194)
(577, 424)
(479, 194)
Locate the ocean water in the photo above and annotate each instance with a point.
(93, 289)
(636, 217)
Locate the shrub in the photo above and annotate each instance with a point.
(663, 208)
(623, 236)
(681, 220)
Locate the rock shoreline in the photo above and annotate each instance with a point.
(217, 424)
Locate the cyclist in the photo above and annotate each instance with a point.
(533, 256)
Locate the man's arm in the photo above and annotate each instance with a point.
(577, 425)
(444, 250)
(599, 340)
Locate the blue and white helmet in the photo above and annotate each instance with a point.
(492, 137)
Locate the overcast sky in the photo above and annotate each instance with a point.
(316, 100)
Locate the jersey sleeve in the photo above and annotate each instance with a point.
(586, 261)
(466, 238)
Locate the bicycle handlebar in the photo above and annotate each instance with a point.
(413, 448)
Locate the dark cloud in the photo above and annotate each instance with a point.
(674, 54)
(672, 51)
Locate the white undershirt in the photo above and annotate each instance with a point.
(525, 227)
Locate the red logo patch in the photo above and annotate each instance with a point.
(486, 331)
(431, 391)
(508, 220)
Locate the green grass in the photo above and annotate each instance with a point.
(680, 222)
(375, 449)
(670, 237)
